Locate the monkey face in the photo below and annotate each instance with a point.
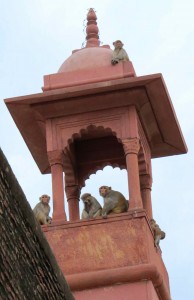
(45, 199)
(86, 198)
(87, 201)
(87, 204)
(118, 44)
(103, 190)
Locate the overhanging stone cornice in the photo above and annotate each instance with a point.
(147, 93)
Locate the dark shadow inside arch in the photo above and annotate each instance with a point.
(94, 154)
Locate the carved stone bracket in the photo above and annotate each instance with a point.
(131, 145)
(72, 192)
(56, 157)
(145, 182)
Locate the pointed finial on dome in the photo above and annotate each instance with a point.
(92, 30)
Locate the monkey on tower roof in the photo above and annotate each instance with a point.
(119, 54)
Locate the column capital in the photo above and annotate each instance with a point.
(131, 145)
(55, 157)
(145, 182)
(72, 192)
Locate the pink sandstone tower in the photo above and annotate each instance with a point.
(91, 114)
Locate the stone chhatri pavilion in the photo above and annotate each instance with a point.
(92, 114)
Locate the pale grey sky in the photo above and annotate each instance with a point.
(36, 36)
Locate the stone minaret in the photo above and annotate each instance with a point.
(91, 114)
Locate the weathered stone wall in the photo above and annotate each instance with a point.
(28, 269)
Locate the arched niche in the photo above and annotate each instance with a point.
(110, 176)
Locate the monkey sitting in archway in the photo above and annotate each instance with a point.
(92, 207)
(42, 210)
(114, 202)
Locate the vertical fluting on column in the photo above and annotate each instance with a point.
(146, 187)
(73, 195)
(131, 148)
(56, 163)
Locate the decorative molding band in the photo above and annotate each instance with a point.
(146, 182)
(131, 145)
(89, 280)
(72, 192)
(55, 157)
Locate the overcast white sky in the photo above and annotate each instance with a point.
(36, 36)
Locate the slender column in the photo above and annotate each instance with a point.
(146, 187)
(73, 195)
(131, 147)
(56, 163)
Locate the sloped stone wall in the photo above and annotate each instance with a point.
(28, 269)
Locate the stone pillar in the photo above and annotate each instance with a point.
(73, 195)
(56, 163)
(146, 187)
(131, 148)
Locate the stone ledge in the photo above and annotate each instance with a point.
(115, 276)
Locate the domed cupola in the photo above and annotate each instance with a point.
(89, 64)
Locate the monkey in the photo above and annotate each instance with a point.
(158, 233)
(92, 207)
(114, 202)
(119, 54)
(42, 209)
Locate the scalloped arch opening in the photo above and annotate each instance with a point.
(110, 176)
(95, 153)
(101, 167)
(92, 131)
